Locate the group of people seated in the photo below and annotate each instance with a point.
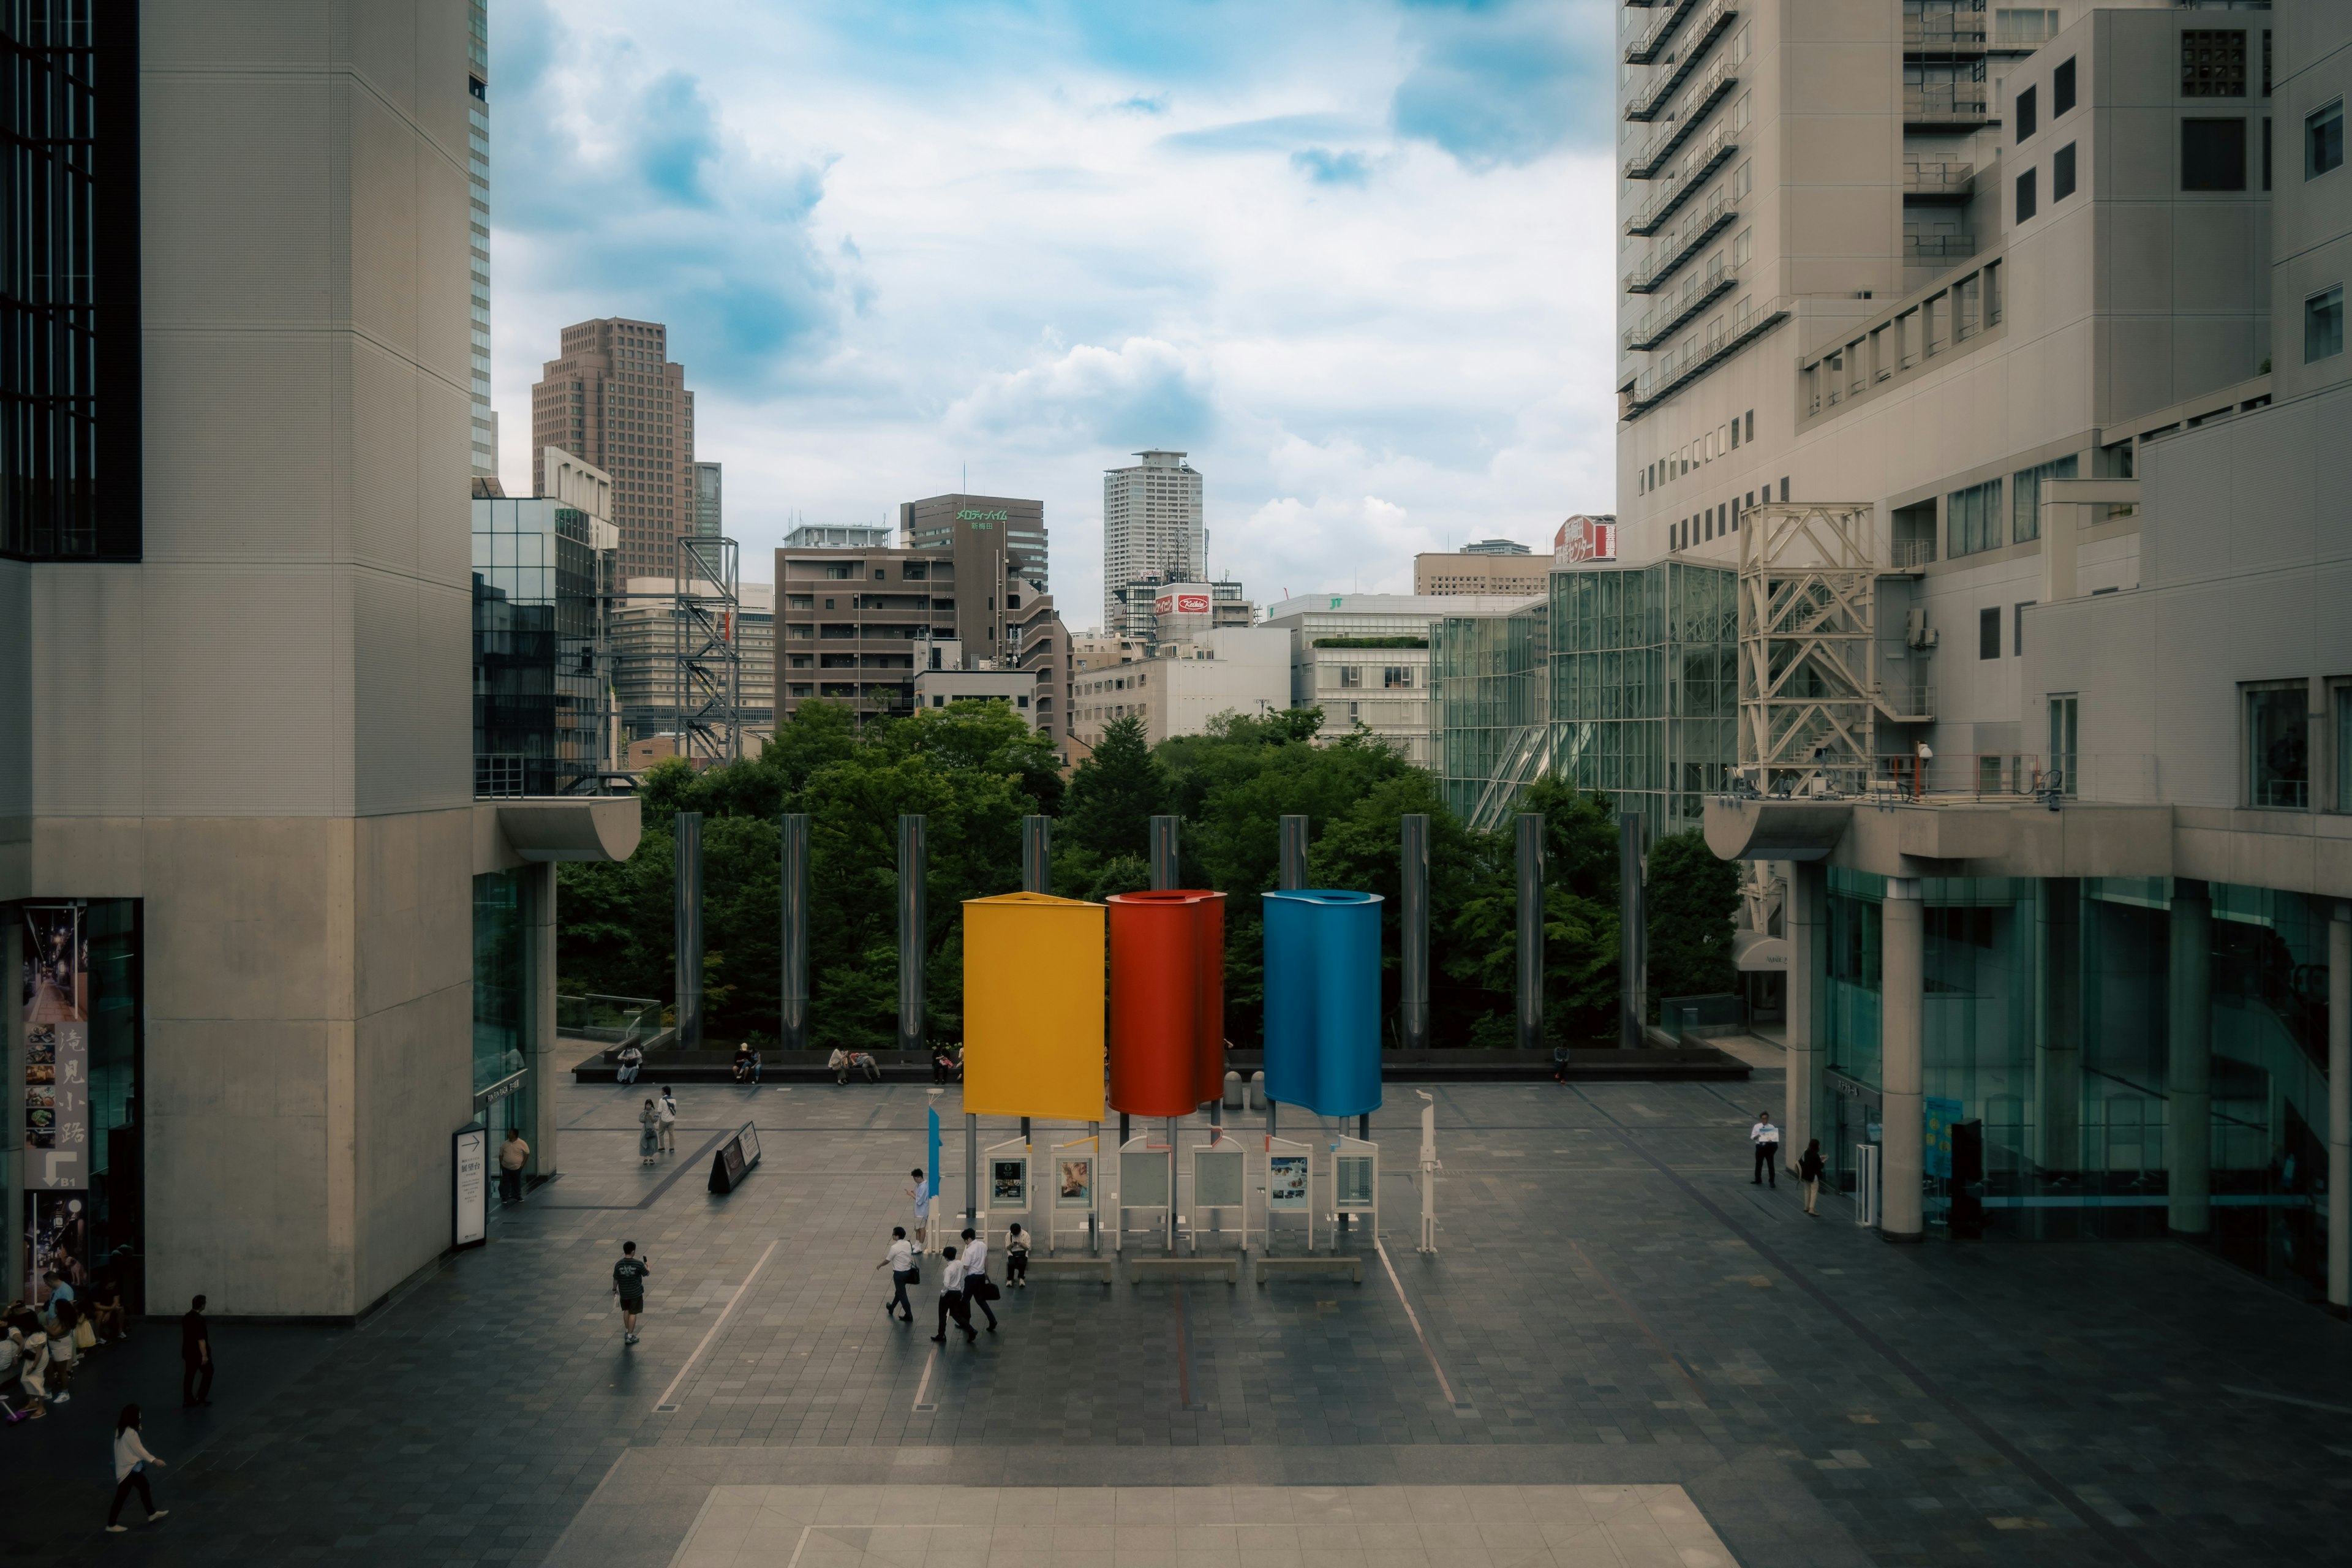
(844, 1063)
(42, 1346)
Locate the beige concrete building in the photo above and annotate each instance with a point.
(1480, 572)
(1184, 686)
(614, 396)
(1152, 529)
(262, 948)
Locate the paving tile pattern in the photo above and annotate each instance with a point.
(1612, 1304)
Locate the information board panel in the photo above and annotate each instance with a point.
(1220, 1177)
(1143, 1179)
(735, 1159)
(470, 1169)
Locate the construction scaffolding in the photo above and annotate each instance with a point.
(1807, 620)
(706, 650)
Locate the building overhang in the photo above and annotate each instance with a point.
(512, 833)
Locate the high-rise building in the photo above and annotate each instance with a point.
(1003, 526)
(478, 217)
(240, 850)
(1152, 526)
(614, 398)
(707, 519)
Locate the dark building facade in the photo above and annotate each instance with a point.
(540, 680)
(1005, 529)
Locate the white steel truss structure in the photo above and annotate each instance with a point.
(706, 650)
(1807, 616)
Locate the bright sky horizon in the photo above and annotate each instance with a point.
(1354, 257)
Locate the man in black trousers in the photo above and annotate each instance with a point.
(196, 1357)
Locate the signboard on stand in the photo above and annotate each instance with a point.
(1072, 1172)
(1289, 1187)
(470, 1182)
(1147, 1180)
(735, 1159)
(1220, 1185)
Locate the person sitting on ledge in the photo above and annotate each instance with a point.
(631, 1059)
(747, 1064)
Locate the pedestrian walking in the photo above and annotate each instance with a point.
(921, 1193)
(667, 1105)
(1809, 1171)
(632, 1061)
(979, 1291)
(131, 1461)
(1766, 1140)
(1016, 1258)
(900, 1261)
(196, 1357)
(108, 1311)
(513, 1154)
(952, 1300)
(648, 1134)
(629, 1276)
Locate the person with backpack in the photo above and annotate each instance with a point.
(648, 1134)
(629, 1276)
(667, 1105)
(1809, 1171)
(131, 1461)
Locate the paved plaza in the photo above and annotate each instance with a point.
(1621, 1353)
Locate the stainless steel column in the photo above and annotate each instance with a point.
(1903, 1016)
(793, 992)
(970, 1170)
(1633, 933)
(1413, 935)
(914, 867)
(1802, 920)
(687, 926)
(1531, 931)
(2339, 1106)
(538, 1031)
(2188, 1068)
(1036, 854)
(1164, 874)
(1292, 871)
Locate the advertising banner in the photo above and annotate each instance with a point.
(1583, 539)
(1032, 1007)
(55, 1095)
(1937, 1146)
(56, 1236)
(1074, 1183)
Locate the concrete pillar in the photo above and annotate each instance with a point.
(1530, 931)
(1633, 933)
(2188, 1071)
(914, 870)
(1902, 1011)
(2339, 1106)
(792, 992)
(1164, 859)
(12, 1115)
(1291, 871)
(539, 887)
(1802, 921)
(1412, 931)
(2058, 1025)
(687, 926)
(1036, 854)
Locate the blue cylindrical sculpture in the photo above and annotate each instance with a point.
(1323, 1000)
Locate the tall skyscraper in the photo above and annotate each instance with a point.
(1151, 525)
(614, 399)
(707, 519)
(477, 170)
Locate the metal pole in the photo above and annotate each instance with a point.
(1036, 854)
(1164, 874)
(913, 868)
(1632, 931)
(1412, 869)
(1531, 931)
(1293, 872)
(687, 926)
(794, 993)
(970, 1170)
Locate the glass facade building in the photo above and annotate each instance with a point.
(540, 676)
(1489, 694)
(501, 1004)
(2046, 1021)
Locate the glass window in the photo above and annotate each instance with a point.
(1989, 632)
(1972, 519)
(2213, 154)
(2019, 647)
(2278, 750)
(2344, 748)
(2213, 63)
(2323, 324)
(2025, 114)
(2025, 492)
(2062, 174)
(2025, 196)
(2061, 88)
(2322, 140)
(2064, 713)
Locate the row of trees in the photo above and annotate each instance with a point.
(975, 770)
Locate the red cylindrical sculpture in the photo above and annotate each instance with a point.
(1167, 1001)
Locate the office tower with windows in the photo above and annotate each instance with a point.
(477, 174)
(614, 397)
(1152, 526)
(707, 522)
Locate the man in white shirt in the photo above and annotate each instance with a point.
(667, 1105)
(901, 1262)
(1766, 1140)
(975, 1272)
(952, 1300)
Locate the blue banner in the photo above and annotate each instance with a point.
(1937, 1146)
(1323, 1000)
(932, 1165)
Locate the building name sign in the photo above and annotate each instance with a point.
(974, 514)
(1582, 538)
(1180, 604)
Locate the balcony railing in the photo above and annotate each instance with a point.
(1938, 181)
(1697, 164)
(1710, 91)
(1945, 34)
(1650, 44)
(1959, 104)
(1676, 369)
(611, 1020)
(1966, 777)
(1697, 229)
(1710, 25)
(1696, 294)
(1937, 249)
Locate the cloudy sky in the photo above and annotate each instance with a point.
(1353, 254)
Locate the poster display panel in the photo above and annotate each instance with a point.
(1143, 1179)
(1074, 1181)
(1008, 1184)
(1352, 1181)
(1286, 1183)
(469, 1171)
(1220, 1177)
(54, 1099)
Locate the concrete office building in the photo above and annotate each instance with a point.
(478, 229)
(237, 825)
(943, 675)
(1153, 531)
(2036, 331)
(709, 522)
(648, 630)
(1364, 659)
(1184, 687)
(614, 398)
(1476, 569)
(992, 538)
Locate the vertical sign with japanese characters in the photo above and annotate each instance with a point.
(57, 1049)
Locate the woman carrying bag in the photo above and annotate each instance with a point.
(131, 1461)
(648, 1134)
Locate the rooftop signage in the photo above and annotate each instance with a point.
(974, 514)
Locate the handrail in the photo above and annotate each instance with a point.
(1720, 277)
(1645, 164)
(1645, 49)
(1718, 213)
(1672, 370)
(1718, 15)
(1698, 164)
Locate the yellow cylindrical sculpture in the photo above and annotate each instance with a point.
(1032, 1007)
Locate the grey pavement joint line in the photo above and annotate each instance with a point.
(1415, 1319)
(2099, 1522)
(2286, 1399)
(668, 1400)
(922, 1389)
(692, 1162)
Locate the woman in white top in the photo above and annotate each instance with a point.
(131, 1461)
